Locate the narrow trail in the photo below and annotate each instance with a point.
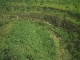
(62, 53)
(56, 40)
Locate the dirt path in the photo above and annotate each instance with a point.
(56, 40)
(62, 53)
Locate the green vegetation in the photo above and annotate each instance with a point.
(28, 40)
(39, 30)
(70, 41)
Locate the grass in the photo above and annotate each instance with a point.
(29, 40)
(19, 3)
(63, 7)
(5, 28)
(32, 40)
(23, 7)
(26, 10)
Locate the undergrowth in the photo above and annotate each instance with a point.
(28, 40)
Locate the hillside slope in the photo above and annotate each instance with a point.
(53, 24)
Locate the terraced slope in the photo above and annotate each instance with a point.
(64, 36)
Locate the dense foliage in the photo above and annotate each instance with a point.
(17, 36)
(28, 40)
